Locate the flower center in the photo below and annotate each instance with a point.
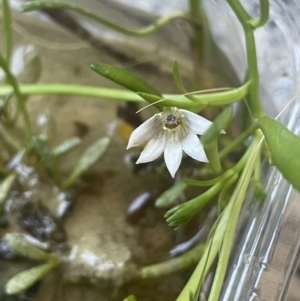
(172, 122)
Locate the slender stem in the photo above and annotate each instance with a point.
(71, 89)
(208, 257)
(264, 14)
(11, 143)
(224, 191)
(7, 30)
(259, 191)
(20, 97)
(245, 18)
(238, 200)
(207, 99)
(215, 243)
(228, 149)
(147, 30)
(172, 265)
(197, 41)
(181, 214)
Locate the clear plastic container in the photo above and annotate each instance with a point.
(266, 252)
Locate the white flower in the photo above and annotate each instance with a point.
(171, 132)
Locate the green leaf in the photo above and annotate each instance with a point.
(224, 194)
(219, 124)
(66, 146)
(174, 100)
(21, 247)
(209, 138)
(212, 154)
(169, 196)
(124, 78)
(181, 214)
(9, 140)
(41, 146)
(225, 175)
(90, 157)
(130, 298)
(284, 147)
(157, 101)
(5, 187)
(26, 279)
(149, 97)
(259, 191)
(178, 81)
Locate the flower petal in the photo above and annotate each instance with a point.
(152, 150)
(193, 147)
(198, 124)
(143, 133)
(173, 156)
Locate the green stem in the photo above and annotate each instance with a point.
(208, 257)
(245, 18)
(238, 200)
(11, 143)
(223, 98)
(197, 41)
(215, 243)
(71, 89)
(192, 182)
(207, 99)
(264, 14)
(223, 194)
(172, 265)
(7, 30)
(181, 214)
(259, 191)
(147, 30)
(234, 144)
(20, 97)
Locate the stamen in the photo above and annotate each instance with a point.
(172, 122)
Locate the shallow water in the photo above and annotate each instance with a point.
(103, 248)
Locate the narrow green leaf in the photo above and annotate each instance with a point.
(212, 154)
(181, 214)
(211, 182)
(66, 146)
(284, 147)
(41, 146)
(209, 139)
(124, 78)
(90, 157)
(224, 194)
(157, 101)
(169, 196)
(219, 124)
(26, 279)
(178, 81)
(193, 296)
(5, 187)
(173, 265)
(174, 100)
(21, 247)
(9, 140)
(130, 298)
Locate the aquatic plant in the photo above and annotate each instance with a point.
(172, 129)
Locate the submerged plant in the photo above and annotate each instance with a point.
(174, 129)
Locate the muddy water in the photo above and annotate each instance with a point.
(104, 250)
